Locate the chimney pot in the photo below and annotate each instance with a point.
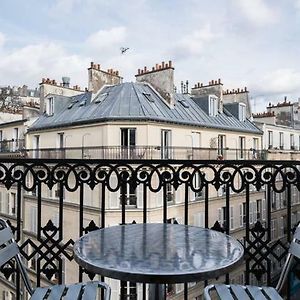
(163, 65)
(98, 67)
(153, 69)
(195, 85)
(170, 64)
(145, 69)
(245, 89)
(216, 82)
(238, 90)
(201, 84)
(219, 80)
(167, 66)
(92, 64)
(159, 67)
(139, 71)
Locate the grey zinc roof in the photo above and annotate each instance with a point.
(139, 102)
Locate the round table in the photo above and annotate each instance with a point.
(157, 253)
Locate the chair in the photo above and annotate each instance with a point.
(9, 250)
(233, 291)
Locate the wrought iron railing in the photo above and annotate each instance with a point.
(14, 145)
(146, 152)
(89, 194)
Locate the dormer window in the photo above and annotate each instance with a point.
(50, 106)
(242, 112)
(213, 106)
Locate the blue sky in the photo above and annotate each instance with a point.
(245, 43)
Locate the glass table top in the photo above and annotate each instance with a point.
(157, 253)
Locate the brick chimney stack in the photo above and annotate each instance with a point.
(161, 77)
(214, 87)
(97, 78)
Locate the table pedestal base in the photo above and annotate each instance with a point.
(156, 291)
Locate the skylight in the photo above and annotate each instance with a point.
(82, 103)
(184, 103)
(148, 97)
(101, 97)
(72, 104)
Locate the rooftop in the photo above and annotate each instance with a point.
(140, 102)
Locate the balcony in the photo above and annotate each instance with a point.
(58, 200)
(12, 147)
(145, 152)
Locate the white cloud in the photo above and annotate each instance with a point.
(195, 42)
(106, 40)
(257, 12)
(27, 65)
(280, 81)
(2, 39)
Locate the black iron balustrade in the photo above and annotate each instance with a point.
(14, 145)
(50, 245)
(145, 152)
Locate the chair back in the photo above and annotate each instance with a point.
(9, 250)
(294, 250)
(295, 244)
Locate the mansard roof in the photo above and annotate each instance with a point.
(137, 102)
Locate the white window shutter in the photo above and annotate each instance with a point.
(33, 219)
(114, 196)
(220, 191)
(241, 215)
(254, 212)
(220, 215)
(264, 209)
(140, 195)
(231, 217)
(201, 219)
(251, 212)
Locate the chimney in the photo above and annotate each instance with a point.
(66, 82)
(97, 78)
(161, 77)
(214, 87)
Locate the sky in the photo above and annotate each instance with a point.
(245, 43)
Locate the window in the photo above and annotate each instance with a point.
(222, 216)
(169, 192)
(15, 139)
(242, 214)
(197, 182)
(213, 106)
(281, 140)
(60, 140)
(259, 209)
(221, 145)
(128, 142)
(270, 139)
(242, 141)
(242, 112)
(36, 146)
(292, 142)
(12, 203)
(130, 195)
(50, 106)
(165, 144)
(130, 291)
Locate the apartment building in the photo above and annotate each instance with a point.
(145, 119)
(140, 120)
